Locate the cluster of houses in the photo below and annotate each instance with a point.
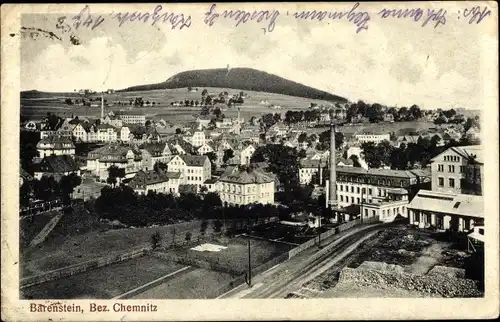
(214, 155)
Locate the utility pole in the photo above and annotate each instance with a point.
(248, 276)
(361, 206)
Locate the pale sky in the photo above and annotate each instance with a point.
(393, 62)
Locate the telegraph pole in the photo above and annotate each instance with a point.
(248, 276)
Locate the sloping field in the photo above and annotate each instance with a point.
(31, 226)
(105, 282)
(36, 108)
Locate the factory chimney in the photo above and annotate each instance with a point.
(102, 105)
(238, 130)
(332, 188)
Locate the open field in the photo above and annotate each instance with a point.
(36, 108)
(235, 256)
(105, 282)
(196, 284)
(59, 251)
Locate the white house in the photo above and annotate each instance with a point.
(239, 186)
(194, 169)
(55, 145)
(375, 138)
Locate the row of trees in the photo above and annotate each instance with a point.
(407, 156)
(375, 112)
(48, 189)
(123, 204)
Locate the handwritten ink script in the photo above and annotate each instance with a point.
(269, 19)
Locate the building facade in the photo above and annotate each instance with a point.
(458, 170)
(375, 138)
(55, 145)
(243, 186)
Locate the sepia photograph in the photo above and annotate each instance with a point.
(249, 151)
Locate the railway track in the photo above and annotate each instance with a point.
(289, 278)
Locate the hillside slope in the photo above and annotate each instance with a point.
(240, 78)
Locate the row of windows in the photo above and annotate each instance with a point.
(358, 200)
(451, 182)
(369, 180)
(358, 189)
(194, 178)
(451, 168)
(452, 158)
(227, 187)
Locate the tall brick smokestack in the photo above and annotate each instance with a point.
(332, 188)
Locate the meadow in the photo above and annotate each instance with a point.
(35, 108)
(104, 282)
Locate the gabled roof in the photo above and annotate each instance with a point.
(153, 148)
(448, 203)
(194, 160)
(145, 178)
(469, 152)
(57, 164)
(313, 163)
(246, 176)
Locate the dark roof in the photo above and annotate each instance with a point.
(173, 175)
(117, 151)
(194, 160)
(244, 176)
(153, 148)
(57, 164)
(25, 175)
(145, 178)
(210, 181)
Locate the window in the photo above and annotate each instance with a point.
(366, 212)
(373, 212)
(440, 167)
(341, 198)
(451, 168)
(440, 182)
(341, 188)
(452, 182)
(357, 200)
(370, 191)
(352, 199)
(462, 169)
(481, 231)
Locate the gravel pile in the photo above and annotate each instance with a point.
(447, 272)
(429, 285)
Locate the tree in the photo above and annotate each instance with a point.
(302, 137)
(204, 92)
(155, 240)
(188, 236)
(203, 227)
(68, 101)
(217, 112)
(212, 156)
(266, 121)
(217, 225)
(178, 131)
(67, 185)
(114, 173)
(355, 161)
(228, 155)
(212, 200)
(160, 166)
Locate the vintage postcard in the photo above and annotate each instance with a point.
(249, 161)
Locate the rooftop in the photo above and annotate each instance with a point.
(194, 160)
(449, 203)
(246, 176)
(57, 164)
